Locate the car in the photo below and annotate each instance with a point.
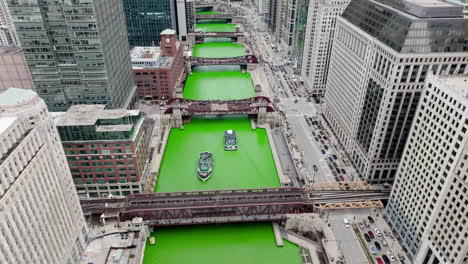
(361, 225)
(370, 219)
(321, 141)
(334, 173)
(342, 178)
(390, 256)
(366, 236)
(346, 222)
(377, 232)
(330, 159)
(373, 250)
(323, 151)
(334, 156)
(338, 162)
(367, 223)
(337, 179)
(316, 138)
(315, 168)
(334, 164)
(371, 235)
(325, 146)
(343, 171)
(379, 260)
(377, 245)
(384, 243)
(386, 259)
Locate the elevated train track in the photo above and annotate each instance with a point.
(238, 205)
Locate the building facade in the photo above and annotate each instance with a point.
(77, 51)
(14, 70)
(377, 72)
(7, 30)
(157, 70)
(428, 203)
(41, 217)
(299, 37)
(317, 48)
(184, 14)
(105, 150)
(146, 19)
(463, 3)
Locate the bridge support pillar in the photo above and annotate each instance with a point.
(188, 66)
(176, 117)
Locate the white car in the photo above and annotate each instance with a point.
(390, 256)
(346, 222)
(367, 223)
(384, 243)
(377, 232)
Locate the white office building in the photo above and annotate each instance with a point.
(428, 209)
(8, 35)
(321, 24)
(382, 52)
(41, 220)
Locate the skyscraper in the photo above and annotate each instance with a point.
(319, 34)
(427, 209)
(77, 51)
(146, 19)
(299, 37)
(382, 52)
(184, 13)
(41, 220)
(7, 30)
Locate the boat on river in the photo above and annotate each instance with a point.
(230, 140)
(205, 165)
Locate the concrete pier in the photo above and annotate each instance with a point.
(284, 179)
(278, 237)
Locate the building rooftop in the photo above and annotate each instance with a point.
(88, 115)
(149, 58)
(457, 84)
(13, 96)
(411, 26)
(5, 123)
(168, 31)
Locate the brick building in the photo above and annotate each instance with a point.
(105, 149)
(157, 70)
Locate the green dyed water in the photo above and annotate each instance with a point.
(216, 27)
(206, 13)
(218, 50)
(251, 166)
(218, 85)
(252, 243)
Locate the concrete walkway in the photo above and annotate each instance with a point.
(313, 248)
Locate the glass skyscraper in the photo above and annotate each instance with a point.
(146, 19)
(77, 51)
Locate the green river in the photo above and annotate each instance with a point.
(251, 166)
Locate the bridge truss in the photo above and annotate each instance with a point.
(249, 106)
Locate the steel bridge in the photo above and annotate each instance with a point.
(216, 34)
(215, 16)
(249, 106)
(238, 205)
(241, 60)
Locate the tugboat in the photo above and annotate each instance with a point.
(230, 141)
(205, 164)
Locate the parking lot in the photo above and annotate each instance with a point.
(338, 171)
(376, 243)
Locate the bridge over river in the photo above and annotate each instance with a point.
(237, 205)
